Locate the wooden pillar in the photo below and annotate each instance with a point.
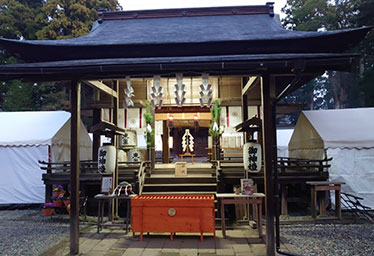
(244, 108)
(268, 144)
(152, 151)
(96, 136)
(115, 85)
(75, 102)
(165, 142)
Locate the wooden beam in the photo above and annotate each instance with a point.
(251, 83)
(183, 116)
(268, 144)
(102, 87)
(75, 101)
(105, 127)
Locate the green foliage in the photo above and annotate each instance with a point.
(43, 19)
(214, 129)
(150, 132)
(17, 18)
(343, 89)
(70, 18)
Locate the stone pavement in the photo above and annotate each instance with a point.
(114, 242)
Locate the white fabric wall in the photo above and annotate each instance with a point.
(356, 168)
(20, 174)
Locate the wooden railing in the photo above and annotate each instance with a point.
(290, 168)
(58, 173)
(299, 164)
(142, 174)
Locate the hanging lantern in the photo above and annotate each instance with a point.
(171, 121)
(252, 157)
(107, 158)
(196, 120)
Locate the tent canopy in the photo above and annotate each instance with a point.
(30, 128)
(336, 128)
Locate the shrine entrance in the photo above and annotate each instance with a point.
(182, 134)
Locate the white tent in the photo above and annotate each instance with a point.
(283, 138)
(25, 138)
(347, 135)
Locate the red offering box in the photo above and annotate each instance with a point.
(173, 213)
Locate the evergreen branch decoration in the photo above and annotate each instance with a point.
(149, 132)
(214, 129)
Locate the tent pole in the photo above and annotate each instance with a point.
(75, 101)
(268, 143)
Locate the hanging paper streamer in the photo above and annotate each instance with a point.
(187, 141)
(157, 93)
(179, 90)
(129, 93)
(205, 92)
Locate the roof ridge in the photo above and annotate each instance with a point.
(268, 8)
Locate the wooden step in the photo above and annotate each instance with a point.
(180, 193)
(191, 171)
(179, 180)
(184, 187)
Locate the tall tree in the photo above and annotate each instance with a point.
(312, 15)
(71, 18)
(43, 19)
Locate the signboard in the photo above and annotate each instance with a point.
(106, 184)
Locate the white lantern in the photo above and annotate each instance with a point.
(129, 139)
(252, 157)
(107, 158)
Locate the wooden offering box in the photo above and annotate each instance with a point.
(173, 213)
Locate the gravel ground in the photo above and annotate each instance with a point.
(28, 232)
(331, 239)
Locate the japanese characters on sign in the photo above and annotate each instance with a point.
(252, 157)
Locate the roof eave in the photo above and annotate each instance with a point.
(220, 65)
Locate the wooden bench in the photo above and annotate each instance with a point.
(231, 198)
(325, 186)
(292, 171)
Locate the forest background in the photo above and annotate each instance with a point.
(59, 19)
